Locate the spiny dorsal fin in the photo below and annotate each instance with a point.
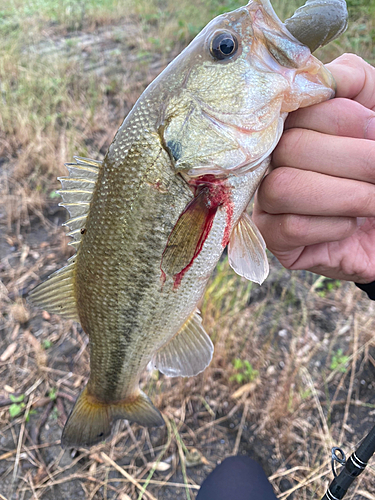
(77, 192)
(56, 294)
(188, 353)
(77, 189)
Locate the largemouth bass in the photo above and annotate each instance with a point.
(151, 221)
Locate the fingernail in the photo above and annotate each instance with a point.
(370, 129)
(361, 221)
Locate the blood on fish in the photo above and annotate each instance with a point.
(206, 230)
(163, 277)
(228, 226)
(218, 195)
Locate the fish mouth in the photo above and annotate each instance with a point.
(275, 41)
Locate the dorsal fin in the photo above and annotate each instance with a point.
(56, 294)
(77, 192)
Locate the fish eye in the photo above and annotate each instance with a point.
(223, 45)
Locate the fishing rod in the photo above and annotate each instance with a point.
(353, 467)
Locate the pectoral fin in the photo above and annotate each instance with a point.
(247, 251)
(188, 236)
(188, 353)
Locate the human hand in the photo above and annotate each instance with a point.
(316, 207)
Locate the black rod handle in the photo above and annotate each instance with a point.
(354, 466)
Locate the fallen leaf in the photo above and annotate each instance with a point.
(194, 458)
(40, 475)
(15, 332)
(20, 312)
(96, 457)
(92, 468)
(24, 254)
(78, 382)
(9, 351)
(244, 389)
(7, 455)
(46, 315)
(40, 354)
(161, 466)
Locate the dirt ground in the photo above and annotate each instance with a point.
(310, 343)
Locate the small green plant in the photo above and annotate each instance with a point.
(52, 394)
(244, 372)
(54, 194)
(326, 285)
(46, 344)
(305, 394)
(339, 361)
(54, 413)
(17, 406)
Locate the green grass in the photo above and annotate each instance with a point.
(49, 104)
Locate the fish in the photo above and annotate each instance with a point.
(151, 221)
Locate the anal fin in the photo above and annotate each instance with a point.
(247, 251)
(56, 294)
(90, 421)
(188, 353)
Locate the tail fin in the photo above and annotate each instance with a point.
(91, 420)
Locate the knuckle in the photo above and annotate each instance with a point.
(342, 228)
(350, 227)
(361, 202)
(294, 227)
(351, 60)
(368, 161)
(340, 111)
(276, 189)
(367, 207)
(290, 143)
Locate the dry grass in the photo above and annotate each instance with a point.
(68, 76)
(288, 417)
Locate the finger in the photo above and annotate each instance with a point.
(355, 79)
(333, 155)
(348, 259)
(338, 116)
(286, 235)
(292, 191)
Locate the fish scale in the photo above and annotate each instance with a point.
(151, 221)
(132, 247)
